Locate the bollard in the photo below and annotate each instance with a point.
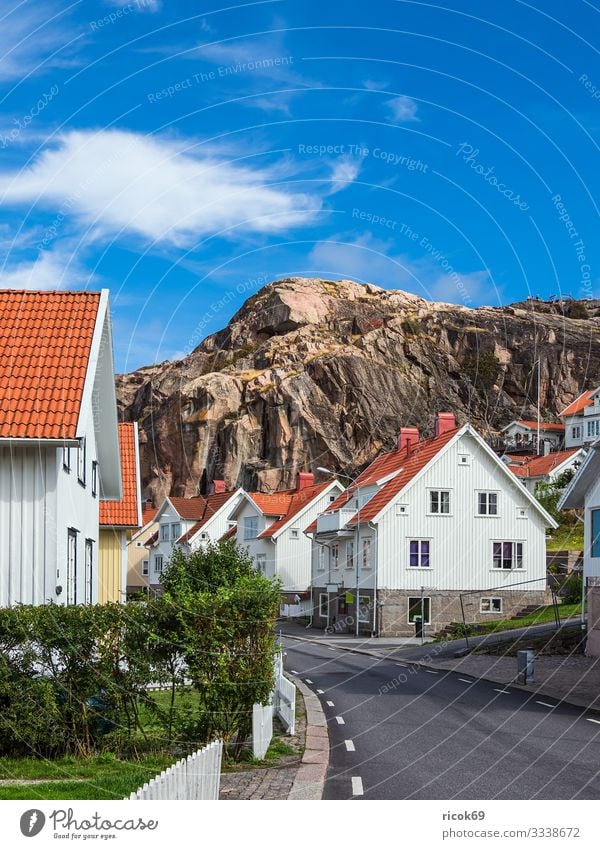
(525, 665)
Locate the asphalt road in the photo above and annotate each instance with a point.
(406, 733)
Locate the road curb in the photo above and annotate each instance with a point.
(408, 663)
(309, 782)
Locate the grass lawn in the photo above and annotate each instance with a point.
(569, 537)
(102, 777)
(544, 614)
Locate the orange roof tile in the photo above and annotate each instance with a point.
(45, 342)
(406, 463)
(124, 513)
(230, 534)
(297, 502)
(541, 466)
(148, 514)
(543, 425)
(273, 503)
(578, 404)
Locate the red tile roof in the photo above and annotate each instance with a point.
(274, 503)
(297, 502)
(201, 507)
(407, 463)
(541, 466)
(578, 404)
(543, 425)
(45, 342)
(124, 513)
(230, 534)
(148, 514)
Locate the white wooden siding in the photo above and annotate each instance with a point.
(461, 543)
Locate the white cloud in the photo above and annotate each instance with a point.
(345, 171)
(117, 181)
(368, 259)
(33, 39)
(403, 109)
(51, 270)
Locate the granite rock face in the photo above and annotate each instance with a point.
(313, 373)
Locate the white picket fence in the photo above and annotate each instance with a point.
(195, 777)
(282, 704)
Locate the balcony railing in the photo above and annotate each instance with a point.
(331, 522)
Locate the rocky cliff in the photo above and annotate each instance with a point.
(318, 373)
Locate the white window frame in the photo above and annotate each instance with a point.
(576, 432)
(81, 461)
(71, 570)
(88, 570)
(439, 493)
(94, 478)
(175, 530)
(158, 558)
(321, 597)
(486, 493)
(361, 607)
(66, 458)
(321, 558)
(335, 555)
(261, 563)
(145, 568)
(165, 532)
(491, 599)
(294, 533)
(593, 428)
(464, 459)
(514, 543)
(350, 554)
(250, 527)
(366, 552)
(418, 598)
(420, 541)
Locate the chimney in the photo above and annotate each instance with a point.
(304, 479)
(444, 422)
(407, 437)
(216, 487)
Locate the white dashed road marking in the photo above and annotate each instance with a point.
(589, 719)
(431, 672)
(501, 691)
(340, 720)
(357, 786)
(465, 680)
(331, 704)
(545, 704)
(308, 681)
(349, 746)
(320, 692)
(294, 671)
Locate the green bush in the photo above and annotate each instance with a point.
(572, 589)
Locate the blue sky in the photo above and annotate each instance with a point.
(183, 154)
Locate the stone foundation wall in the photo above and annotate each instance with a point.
(445, 608)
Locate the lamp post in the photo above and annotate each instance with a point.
(356, 547)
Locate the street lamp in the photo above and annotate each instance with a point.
(356, 545)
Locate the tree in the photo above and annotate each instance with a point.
(548, 493)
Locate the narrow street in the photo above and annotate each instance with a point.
(401, 733)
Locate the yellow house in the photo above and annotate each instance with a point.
(118, 519)
(138, 571)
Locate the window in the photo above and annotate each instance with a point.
(419, 553)
(250, 527)
(261, 563)
(487, 503)
(321, 560)
(175, 530)
(164, 531)
(576, 432)
(158, 563)
(66, 458)
(323, 605)
(342, 606)
(335, 556)
(366, 553)
(95, 478)
(364, 608)
(71, 566)
(89, 565)
(401, 510)
(508, 555)
(295, 533)
(145, 565)
(349, 555)
(81, 461)
(463, 459)
(595, 533)
(593, 428)
(203, 535)
(414, 610)
(332, 498)
(490, 604)
(439, 501)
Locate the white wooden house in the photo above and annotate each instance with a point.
(583, 493)
(59, 443)
(534, 470)
(439, 518)
(190, 523)
(270, 526)
(522, 435)
(582, 419)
